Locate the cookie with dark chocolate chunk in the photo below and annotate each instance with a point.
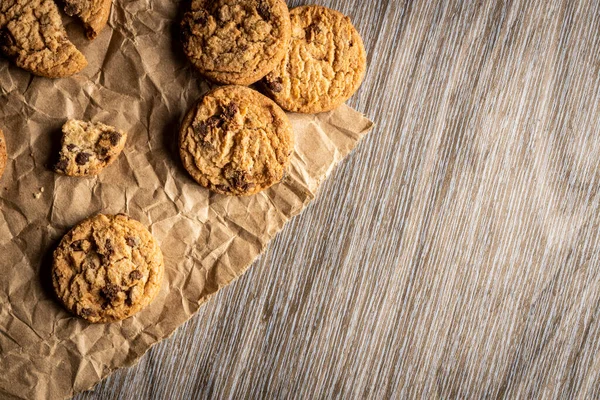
(107, 268)
(235, 141)
(87, 148)
(236, 41)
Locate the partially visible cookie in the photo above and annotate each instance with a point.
(235, 141)
(3, 154)
(324, 66)
(87, 148)
(107, 268)
(236, 41)
(32, 35)
(93, 13)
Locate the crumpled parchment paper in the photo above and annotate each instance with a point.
(137, 80)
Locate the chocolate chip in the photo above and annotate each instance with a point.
(247, 186)
(110, 292)
(102, 153)
(131, 241)
(135, 275)
(6, 39)
(222, 188)
(214, 122)
(312, 31)
(87, 312)
(115, 137)
(71, 147)
(230, 111)
(108, 248)
(263, 10)
(82, 158)
(201, 129)
(77, 245)
(240, 180)
(61, 165)
(72, 9)
(201, 17)
(129, 298)
(274, 85)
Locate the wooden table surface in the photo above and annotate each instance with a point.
(454, 254)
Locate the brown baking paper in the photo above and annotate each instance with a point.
(137, 80)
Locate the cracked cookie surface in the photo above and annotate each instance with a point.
(324, 66)
(235, 141)
(93, 13)
(87, 148)
(3, 153)
(32, 35)
(107, 268)
(236, 41)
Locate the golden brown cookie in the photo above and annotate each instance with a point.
(93, 13)
(235, 141)
(107, 268)
(3, 154)
(324, 66)
(236, 41)
(87, 148)
(32, 35)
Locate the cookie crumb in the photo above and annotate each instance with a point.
(39, 193)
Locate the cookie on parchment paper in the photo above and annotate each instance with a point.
(236, 41)
(33, 36)
(107, 268)
(3, 153)
(235, 141)
(87, 148)
(324, 66)
(93, 13)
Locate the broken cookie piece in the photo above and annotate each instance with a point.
(87, 148)
(93, 13)
(33, 36)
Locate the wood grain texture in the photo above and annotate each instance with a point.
(455, 254)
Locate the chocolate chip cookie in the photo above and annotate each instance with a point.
(32, 35)
(87, 148)
(236, 41)
(235, 141)
(93, 14)
(324, 66)
(107, 268)
(3, 155)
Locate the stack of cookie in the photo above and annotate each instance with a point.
(311, 59)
